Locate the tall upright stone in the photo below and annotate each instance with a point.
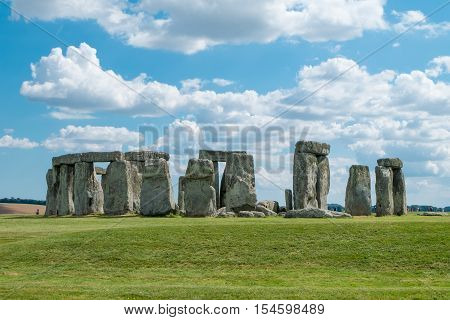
(357, 196)
(156, 193)
(117, 188)
(384, 191)
(288, 197)
(323, 182)
(399, 190)
(52, 193)
(199, 191)
(181, 193)
(88, 193)
(305, 181)
(311, 180)
(239, 183)
(65, 205)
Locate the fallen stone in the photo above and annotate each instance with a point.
(239, 182)
(305, 180)
(399, 193)
(390, 162)
(288, 198)
(323, 182)
(250, 214)
(88, 193)
(358, 200)
(100, 171)
(267, 212)
(283, 209)
(270, 204)
(384, 191)
(156, 192)
(317, 148)
(315, 213)
(223, 213)
(65, 205)
(433, 214)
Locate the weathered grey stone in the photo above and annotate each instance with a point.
(71, 159)
(288, 197)
(384, 191)
(315, 213)
(181, 193)
(200, 168)
(433, 214)
(267, 212)
(390, 162)
(283, 209)
(88, 193)
(323, 182)
(245, 214)
(52, 194)
(399, 193)
(143, 156)
(239, 183)
(68, 159)
(220, 156)
(217, 182)
(305, 180)
(100, 171)
(117, 188)
(358, 200)
(270, 204)
(156, 192)
(102, 156)
(317, 148)
(223, 213)
(65, 205)
(199, 193)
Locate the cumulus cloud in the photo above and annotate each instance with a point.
(91, 138)
(438, 66)
(7, 141)
(222, 82)
(416, 20)
(191, 26)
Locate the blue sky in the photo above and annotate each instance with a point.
(227, 65)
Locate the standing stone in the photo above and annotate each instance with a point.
(199, 192)
(323, 182)
(156, 193)
(181, 193)
(88, 193)
(217, 182)
(65, 205)
(400, 206)
(117, 188)
(305, 180)
(357, 196)
(384, 191)
(288, 197)
(269, 204)
(239, 183)
(52, 193)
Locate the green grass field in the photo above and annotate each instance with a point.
(236, 258)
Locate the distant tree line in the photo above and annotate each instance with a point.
(22, 201)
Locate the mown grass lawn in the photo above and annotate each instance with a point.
(236, 258)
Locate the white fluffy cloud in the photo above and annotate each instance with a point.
(191, 26)
(438, 66)
(7, 141)
(416, 20)
(91, 138)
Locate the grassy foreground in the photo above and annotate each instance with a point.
(236, 258)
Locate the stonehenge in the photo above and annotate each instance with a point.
(390, 187)
(358, 200)
(140, 182)
(311, 175)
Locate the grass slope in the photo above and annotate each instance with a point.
(181, 258)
